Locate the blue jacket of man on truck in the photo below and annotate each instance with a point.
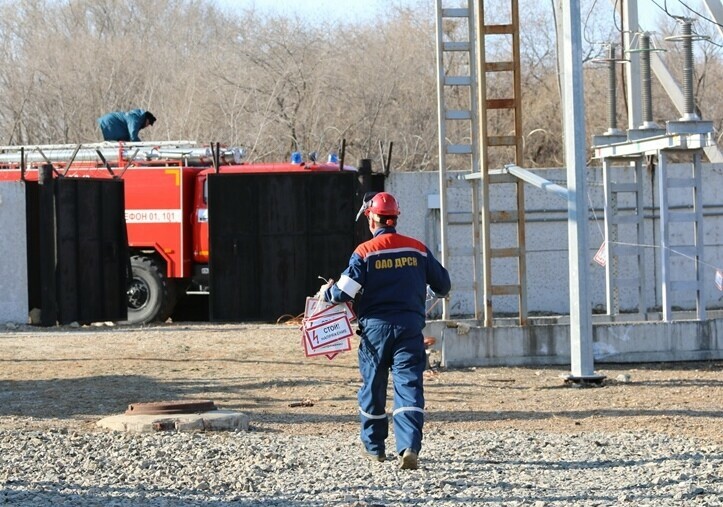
(125, 126)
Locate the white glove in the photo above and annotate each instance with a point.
(323, 289)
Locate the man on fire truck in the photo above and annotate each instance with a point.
(125, 126)
(390, 272)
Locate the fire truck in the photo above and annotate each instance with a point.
(166, 205)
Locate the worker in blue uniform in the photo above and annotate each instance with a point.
(125, 126)
(390, 274)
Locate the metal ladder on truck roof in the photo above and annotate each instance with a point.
(115, 152)
(461, 49)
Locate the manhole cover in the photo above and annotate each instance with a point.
(171, 407)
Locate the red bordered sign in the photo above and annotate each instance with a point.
(326, 330)
(601, 257)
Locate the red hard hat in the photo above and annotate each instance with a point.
(383, 204)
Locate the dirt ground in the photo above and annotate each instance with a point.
(68, 377)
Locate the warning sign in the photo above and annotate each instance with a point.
(326, 330)
(601, 257)
(314, 307)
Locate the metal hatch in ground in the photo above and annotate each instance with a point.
(273, 235)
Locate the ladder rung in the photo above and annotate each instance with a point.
(505, 290)
(680, 182)
(682, 216)
(460, 251)
(684, 285)
(460, 286)
(457, 81)
(623, 187)
(625, 219)
(499, 66)
(458, 183)
(501, 141)
(503, 217)
(456, 46)
(459, 218)
(499, 253)
(501, 103)
(458, 114)
(459, 12)
(459, 149)
(498, 29)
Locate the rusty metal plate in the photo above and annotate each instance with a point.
(171, 407)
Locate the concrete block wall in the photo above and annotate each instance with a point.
(13, 256)
(547, 242)
(464, 344)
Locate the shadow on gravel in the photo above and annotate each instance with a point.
(111, 394)
(459, 416)
(22, 492)
(61, 398)
(184, 360)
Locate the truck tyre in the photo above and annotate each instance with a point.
(151, 297)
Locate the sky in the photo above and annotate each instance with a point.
(317, 9)
(366, 10)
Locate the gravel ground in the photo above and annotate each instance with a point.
(459, 468)
(494, 436)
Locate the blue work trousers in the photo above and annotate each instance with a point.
(386, 347)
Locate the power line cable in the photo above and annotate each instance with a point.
(615, 17)
(702, 16)
(585, 27)
(664, 8)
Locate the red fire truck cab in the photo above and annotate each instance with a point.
(166, 206)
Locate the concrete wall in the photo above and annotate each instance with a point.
(13, 257)
(547, 244)
(466, 344)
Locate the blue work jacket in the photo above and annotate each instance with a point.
(122, 126)
(391, 273)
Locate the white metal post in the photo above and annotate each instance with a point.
(574, 120)
(699, 238)
(610, 236)
(443, 183)
(664, 232)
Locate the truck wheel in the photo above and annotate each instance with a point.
(151, 297)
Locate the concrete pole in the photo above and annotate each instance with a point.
(574, 120)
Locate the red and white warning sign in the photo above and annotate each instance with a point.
(327, 328)
(314, 307)
(719, 279)
(326, 335)
(601, 257)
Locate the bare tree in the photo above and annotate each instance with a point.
(276, 84)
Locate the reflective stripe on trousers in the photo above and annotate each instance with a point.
(383, 347)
